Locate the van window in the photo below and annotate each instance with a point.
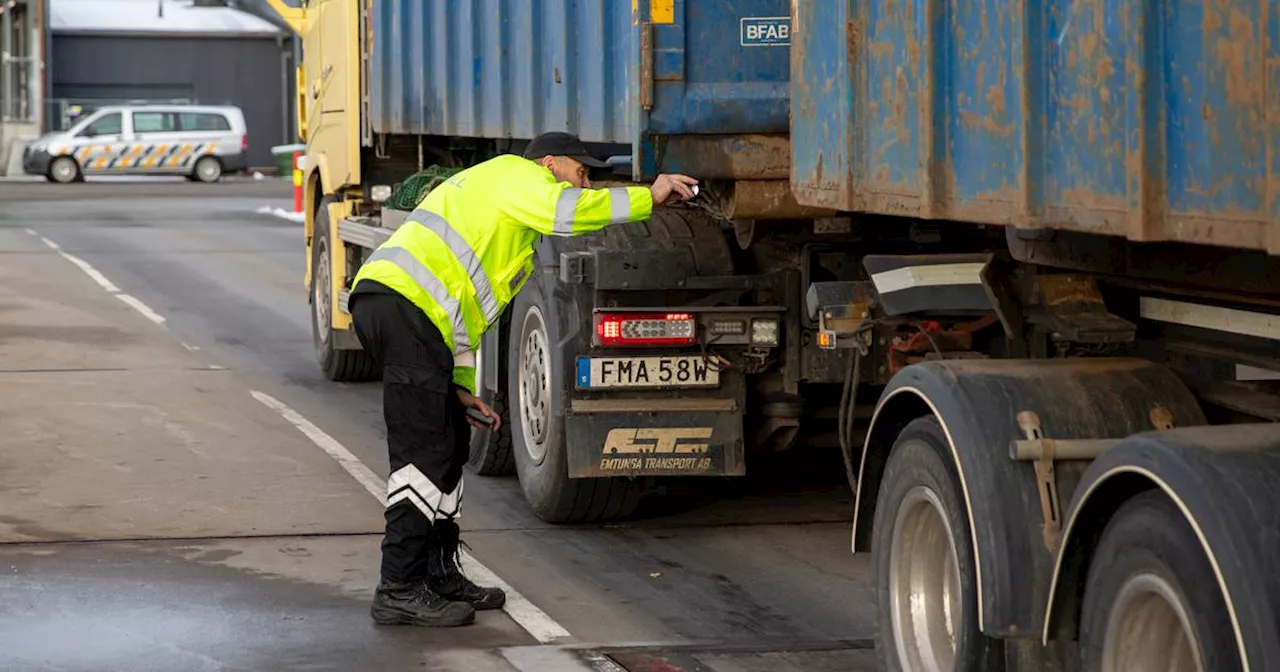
(105, 125)
(154, 122)
(204, 121)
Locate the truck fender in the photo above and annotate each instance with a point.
(1222, 479)
(977, 403)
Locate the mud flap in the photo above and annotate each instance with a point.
(698, 443)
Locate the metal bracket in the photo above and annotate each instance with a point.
(1050, 505)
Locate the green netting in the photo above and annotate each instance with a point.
(412, 190)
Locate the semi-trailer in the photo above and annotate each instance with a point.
(1015, 259)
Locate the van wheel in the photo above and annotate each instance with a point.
(341, 366)
(63, 170)
(207, 169)
(535, 378)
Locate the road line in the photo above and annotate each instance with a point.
(142, 308)
(102, 280)
(534, 620)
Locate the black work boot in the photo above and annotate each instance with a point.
(444, 577)
(414, 603)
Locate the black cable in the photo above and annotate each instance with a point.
(932, 342)
(846, 415)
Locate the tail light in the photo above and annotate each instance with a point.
(622, 329)
(244, 142)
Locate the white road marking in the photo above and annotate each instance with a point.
(102, 280)
(142, 308)
(534, 620)
(192, 348)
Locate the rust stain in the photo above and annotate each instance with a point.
(1087, 198)
(1087, 44)
(980, 75)
(1212, 19)
(882, 50)
(900, 106)
(1232, 50)
(1106, 68)
(974, 121)
(1206, 113)
(995, 102)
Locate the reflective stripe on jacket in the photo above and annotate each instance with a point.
(467, 249)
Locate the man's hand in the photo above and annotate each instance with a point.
(669, 188)
(471, 401)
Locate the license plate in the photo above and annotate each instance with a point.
(632, 372)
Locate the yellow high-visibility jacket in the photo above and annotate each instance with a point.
(468, 248)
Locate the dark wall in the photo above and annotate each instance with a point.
(242, 71)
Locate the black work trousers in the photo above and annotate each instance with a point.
(428, 437)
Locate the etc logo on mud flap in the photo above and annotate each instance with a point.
(633, 449)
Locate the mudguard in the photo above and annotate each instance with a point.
(1223, 479)
(978, 402)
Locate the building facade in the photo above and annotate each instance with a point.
(174, 51)
(24, 44)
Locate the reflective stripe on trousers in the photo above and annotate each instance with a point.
(619, 208)
(430, 284)
(466, 256)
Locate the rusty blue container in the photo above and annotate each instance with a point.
(611, 71)
(1148, 119)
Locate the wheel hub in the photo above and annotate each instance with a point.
(924, 584)
(1148, 630)
(535, 385)
(207, 169)
(63, 170)
(320, 295)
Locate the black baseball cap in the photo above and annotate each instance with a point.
(559, 143)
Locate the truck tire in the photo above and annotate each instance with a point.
(923, 561)
(1150, 600)
(342, 366)
(535, 378)
(491, 452)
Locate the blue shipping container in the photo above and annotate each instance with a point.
(1150, 119)
(608, 70)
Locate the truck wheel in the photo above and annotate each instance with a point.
(923, 560)
(338, 365)
(63, 170)
(1150, 601)
(491, 452)
(535, 379)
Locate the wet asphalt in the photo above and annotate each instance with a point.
(747, 574)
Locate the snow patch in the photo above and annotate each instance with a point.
(282, 213)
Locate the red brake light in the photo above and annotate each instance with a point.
(244, 142)
(615, 329)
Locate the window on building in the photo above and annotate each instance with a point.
(18, 67)
(154, 122)
(204, 121)
(105, 125)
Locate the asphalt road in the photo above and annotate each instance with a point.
(750, 574)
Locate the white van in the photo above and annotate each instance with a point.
(201, 142)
